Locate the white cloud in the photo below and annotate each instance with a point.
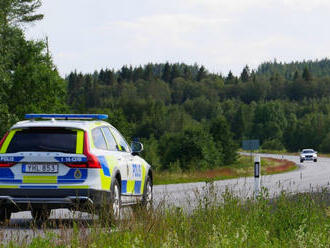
(219, 34)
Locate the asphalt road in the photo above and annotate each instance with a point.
(309, 176)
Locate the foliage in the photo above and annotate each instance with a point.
(29, 82)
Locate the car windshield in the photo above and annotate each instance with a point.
(308, 151)
(43, 140)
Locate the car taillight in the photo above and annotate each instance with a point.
(6, 164)
(92, 161)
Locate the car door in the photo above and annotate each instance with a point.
(109, 156)
(128, 184)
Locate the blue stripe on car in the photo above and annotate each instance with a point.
(104, 165)
(123, 186)
(137, 187)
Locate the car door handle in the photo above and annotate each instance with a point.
(119, 159)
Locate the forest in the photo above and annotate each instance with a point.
(187, 117)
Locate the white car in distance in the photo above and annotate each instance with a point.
(308, 155)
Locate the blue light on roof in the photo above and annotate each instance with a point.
(67, 116)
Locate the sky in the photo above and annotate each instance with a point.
(88, 35)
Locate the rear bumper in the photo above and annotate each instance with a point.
(25, 199)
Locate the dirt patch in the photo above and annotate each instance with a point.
(283, 165)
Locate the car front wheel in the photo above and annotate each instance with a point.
(148, 194)
(115, 200)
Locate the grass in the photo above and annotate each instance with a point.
(299, 220)
(242, 168)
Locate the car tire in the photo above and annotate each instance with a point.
(315, 160)
(147, 199)
(115, 200)
(5, 215)
(40, 214)
(301, 160)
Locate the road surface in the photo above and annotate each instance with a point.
(309, 176)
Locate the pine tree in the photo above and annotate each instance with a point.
(174, 72)
(148, 74)
(230, 78)
(306, 74)
(187, 73)
(166, 73)
(15, 12)
(201, 74)
(245, 75)
(296, 75)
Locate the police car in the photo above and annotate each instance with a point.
(52, 161)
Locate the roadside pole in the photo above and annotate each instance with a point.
(257, 175)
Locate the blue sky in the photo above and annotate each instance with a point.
(87, 35)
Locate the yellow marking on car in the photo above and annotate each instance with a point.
(39, 179)
(130, 186)
(8, 139)
(105, 181)
(114, 136)
(9, 186)
(143, 177)
(106, 141)
(80, 142)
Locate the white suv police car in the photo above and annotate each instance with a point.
(67, 161)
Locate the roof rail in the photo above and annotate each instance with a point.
(67, 116)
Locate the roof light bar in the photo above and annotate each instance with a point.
(67, 116)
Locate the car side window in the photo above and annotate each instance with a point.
(120, 140)
(98, 139)
(112, 145)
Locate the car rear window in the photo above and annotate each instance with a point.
(43, 140)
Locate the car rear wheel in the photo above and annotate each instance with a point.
(301, 160)
(40, 214)
(4, 215)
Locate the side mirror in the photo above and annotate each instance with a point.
(136, 147)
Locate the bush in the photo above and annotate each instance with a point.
(193, 148)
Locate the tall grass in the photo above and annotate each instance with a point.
(298, 220)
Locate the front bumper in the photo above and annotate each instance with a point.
(308, 158)
(26, 199)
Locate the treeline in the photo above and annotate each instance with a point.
(319, 68)
(184, 114)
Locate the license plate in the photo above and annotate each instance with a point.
(40, 168)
